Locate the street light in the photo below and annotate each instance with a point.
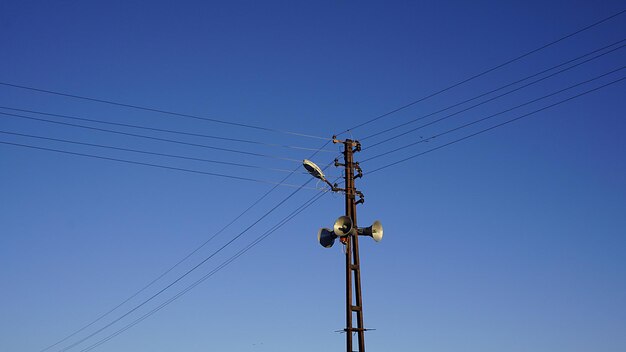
(316, 172)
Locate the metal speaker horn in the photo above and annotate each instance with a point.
(326, 237)
(343, 226)
(375, 231)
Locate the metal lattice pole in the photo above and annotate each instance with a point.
(354, 303)
(346, 229)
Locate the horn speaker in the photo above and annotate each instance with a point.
(343, 226)
(326, 237)
(375, 231)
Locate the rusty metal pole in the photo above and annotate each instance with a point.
(354, 304)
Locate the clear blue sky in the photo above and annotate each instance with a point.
(512, 240)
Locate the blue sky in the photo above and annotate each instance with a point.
(512, 240)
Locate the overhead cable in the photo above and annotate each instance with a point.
(152, 165)
(188, 271)
(497, 89)
(171, 113)
(484, 72)
(152, 138)
(496, 114)
(208, 275)
(148, 152)
(490, 128)
(202, 245)
(166, 130)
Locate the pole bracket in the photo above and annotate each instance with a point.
(358, 169)
(361, 198)
(335, 140)
(336, 188)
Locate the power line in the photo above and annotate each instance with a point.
(497, 89)
(491, 99)
(496, 114)
(147, 152)
(190, 270)
(208, 275)
(171, 113)
(492, 127)
(181, 260)
(281, 224)
(152, 165)
(484, 72)
(152, 138)
(166, 130)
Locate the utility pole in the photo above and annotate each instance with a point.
(346, 229)
(354, 302)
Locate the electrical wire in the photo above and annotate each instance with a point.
(181, 260)
(171, 113)
(152, 138)
(492, 127)
(210, 274)
(190, 270)
(152, 165)
(488, 100)
(497, 89)
(498, 113)
(484, 72)
(315, 198)
(148, 152)
(166, 130)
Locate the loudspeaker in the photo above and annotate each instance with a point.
(326, 237)
(343, 226)
(375, 231)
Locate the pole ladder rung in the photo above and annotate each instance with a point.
(355, 308)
